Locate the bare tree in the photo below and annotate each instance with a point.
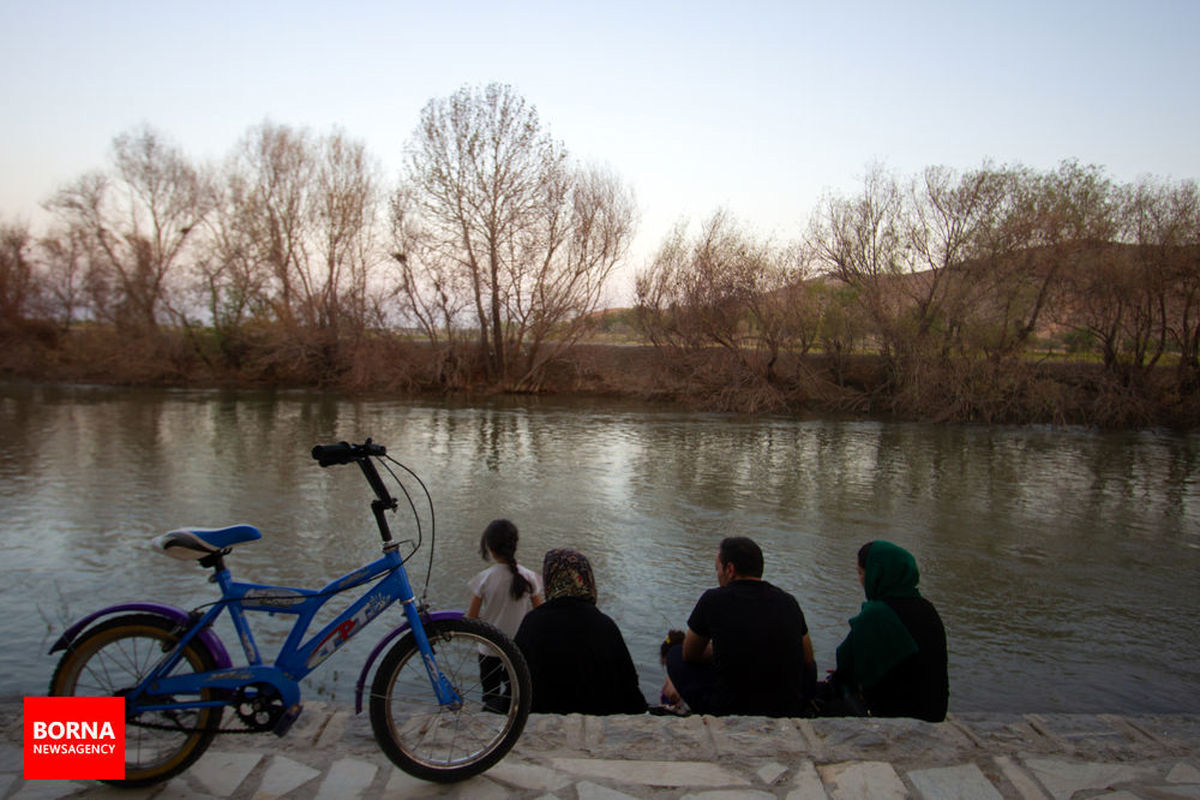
(962, 263)
(1078, 218)
(298, 221)
(1160, 222)
(66, 257)
(860, 241)
(498, 203)
(565, 260)
(138, 221)
(345, 208)
(266, 204)
(229, 275)
(949, 211)
(1181, 236)
(429, 286)
(1007, 273)
(729, 289)
(843, 324)
(17, 278)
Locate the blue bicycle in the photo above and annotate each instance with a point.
(435, 710)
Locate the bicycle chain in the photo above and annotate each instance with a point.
(179, 729)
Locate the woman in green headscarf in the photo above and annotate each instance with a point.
(894, 657)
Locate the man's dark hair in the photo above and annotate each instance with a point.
(744, 554)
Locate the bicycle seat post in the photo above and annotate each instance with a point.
(216, 561)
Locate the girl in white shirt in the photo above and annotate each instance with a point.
(501, 594)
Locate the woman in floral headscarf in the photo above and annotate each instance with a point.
(577, 658)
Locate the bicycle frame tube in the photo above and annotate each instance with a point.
(297, 657)
(398, 631)
(177, 615)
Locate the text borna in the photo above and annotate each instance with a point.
(73, 730)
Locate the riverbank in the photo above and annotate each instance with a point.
(330, 754)
(1049, 389)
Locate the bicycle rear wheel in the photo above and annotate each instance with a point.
(113, 657)
(442, 744)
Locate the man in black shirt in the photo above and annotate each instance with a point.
(747, 649)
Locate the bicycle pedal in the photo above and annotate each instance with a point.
(286, 720)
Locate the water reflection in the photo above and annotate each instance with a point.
(1062, 560)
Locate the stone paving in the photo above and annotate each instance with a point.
(330, 755)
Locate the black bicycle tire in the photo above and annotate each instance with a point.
(87, 645)
(473, 632)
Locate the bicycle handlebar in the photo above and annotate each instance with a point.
(328, 455)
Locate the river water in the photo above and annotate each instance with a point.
(1064, 561)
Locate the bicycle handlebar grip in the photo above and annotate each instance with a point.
(369, 448)
(327, 455)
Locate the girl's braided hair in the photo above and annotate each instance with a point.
(500, 539)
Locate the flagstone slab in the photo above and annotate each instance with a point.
(856, 733)
(1076, 727)
(1003, 733)
(401, 784)
(1180, 730)
(12, 759)
(643, 737)
(312, 720)
(177, 790)
(334, 731)
(806, 783)
(862, 780)
(47, 790)
(1020, 779)
(1091, 737)
(769, 773)
(528, 776)
(477, 788)
(963, 782)
(1183, 772)
(346, 779)
(760, 736)
(283, 775)
(1063, 779)
(586, 790)
(681, 774)
(222, 773)
(851, 738)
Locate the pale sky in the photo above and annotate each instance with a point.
(751, 106)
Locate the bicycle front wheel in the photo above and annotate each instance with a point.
(112, 658)
(447, 744)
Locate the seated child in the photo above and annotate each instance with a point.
(669, 699)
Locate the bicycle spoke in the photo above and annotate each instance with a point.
(112, 659)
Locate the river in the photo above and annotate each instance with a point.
(1064, 561)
